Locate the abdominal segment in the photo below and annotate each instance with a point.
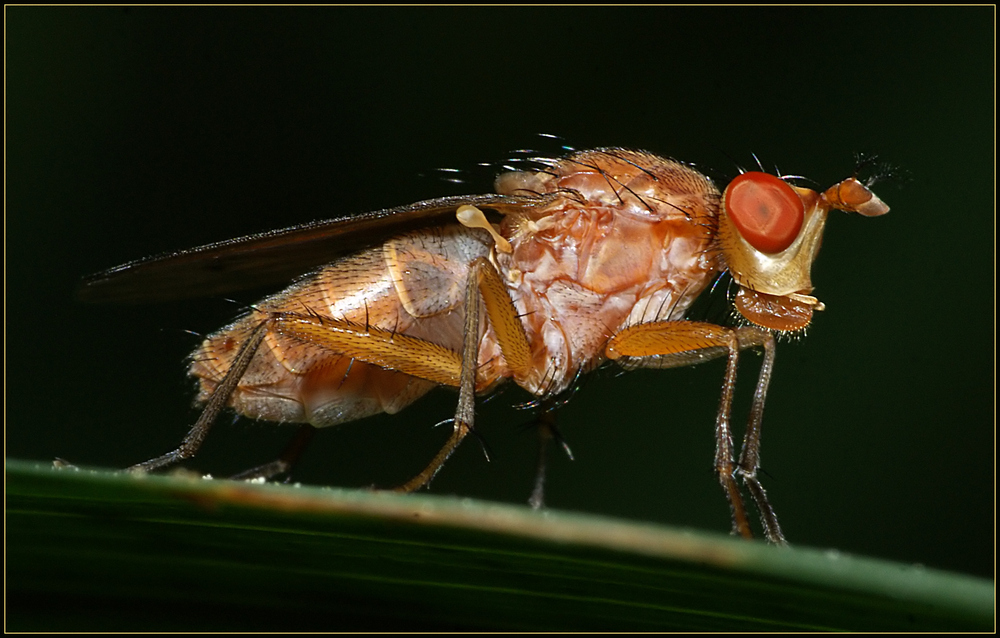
(412, 285)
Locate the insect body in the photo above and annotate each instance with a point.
(596, 258)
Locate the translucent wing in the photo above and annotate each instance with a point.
(274, 257)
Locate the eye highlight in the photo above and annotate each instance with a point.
(765, 210)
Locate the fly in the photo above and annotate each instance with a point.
(593, 258)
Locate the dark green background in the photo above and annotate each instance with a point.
(136, 131)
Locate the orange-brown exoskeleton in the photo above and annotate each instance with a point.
(595, 257)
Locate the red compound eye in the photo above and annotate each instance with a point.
(765, 210)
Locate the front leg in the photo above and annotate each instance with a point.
(750, 455)
(671, 344)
